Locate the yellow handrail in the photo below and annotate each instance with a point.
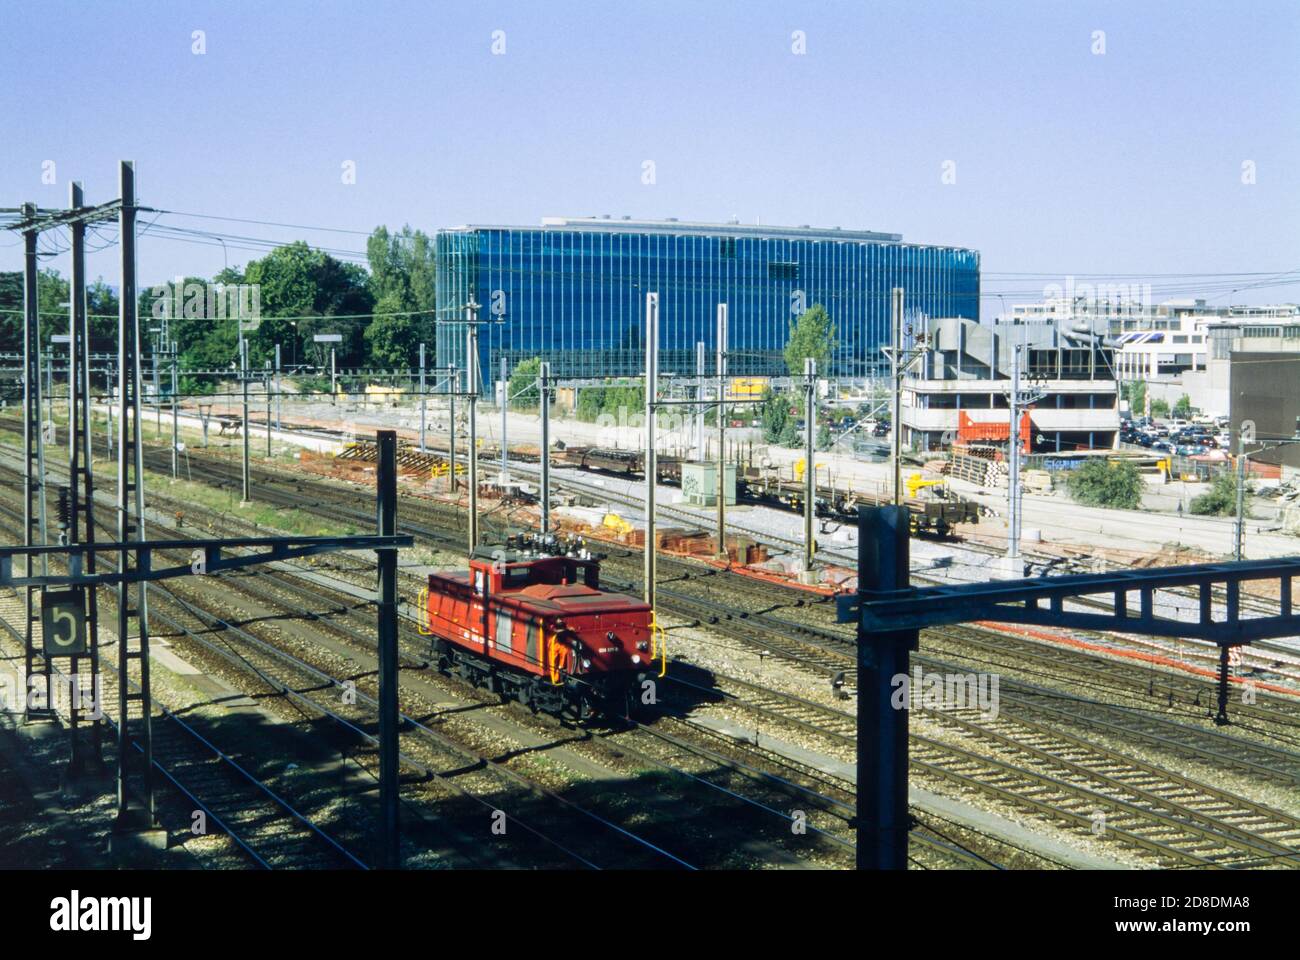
(422, 626)
(662, 650)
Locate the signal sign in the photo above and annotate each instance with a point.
(63, 622)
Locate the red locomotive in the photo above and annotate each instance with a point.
(530, 622)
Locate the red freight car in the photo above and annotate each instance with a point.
(532, 624)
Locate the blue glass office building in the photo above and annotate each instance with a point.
(573, 292)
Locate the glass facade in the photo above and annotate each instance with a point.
(573, 292)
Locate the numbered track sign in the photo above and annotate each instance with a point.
(63, 622)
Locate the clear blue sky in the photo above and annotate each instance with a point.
(1066, 161)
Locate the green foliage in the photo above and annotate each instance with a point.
(1101, 484)
(297, 281)
(390, 337)
(811, 335)
(775, 414)
(294, 281)
(522, 387)
(780, 423)
(1221, 499)
(1159, 408)
(1183, 408)
(403, 282)
(595, 402)
(823, 436)
(1135, 392)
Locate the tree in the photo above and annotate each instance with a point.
(775, 416)
(1221, 499)
(298, 281)
(1135, 392)
(811, 335)
(1183, 408)
(521, 388)
(1159, 408)
(403, 275)
(390, 336)
(1101, 484)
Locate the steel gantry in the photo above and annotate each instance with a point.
(890, 615)
(31, 221)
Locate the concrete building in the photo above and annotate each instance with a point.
(1169, 345)
(1211, 388)
(1264, 394)
(960, 384)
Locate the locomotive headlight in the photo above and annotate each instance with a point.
(636, 658)
(586, 664)
(643, 645)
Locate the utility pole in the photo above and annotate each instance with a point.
(472, 375)
(721, 367)
(266, 385)
(243, 379)
(334, 389)
(81, 481)
(389, 716)
(279, 425)
(544, 375)
(1013, 482)
(134, 815)
(699, 396)
(34, 520)
(651, 460)
(896, 378)
(175, 419)
(454, 378)
(422, 398)
(1018, 401)
(1239, 535)
(810, 468)
(505, 468)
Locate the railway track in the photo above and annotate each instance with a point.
(1178, 820)
(1186, 853)
(267, 829)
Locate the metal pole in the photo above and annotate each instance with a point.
(34, 528)
(279, 425)
(390, 838)
(454, 376)
(882, 818)
(651, 461)
(471, 375)
(175, 419)
(896, 378)
(1013, 480)
(334, 390)
(810, 467)
(1240, 532)
(81, 477)
(699, 396)
(243, 379)
(545, 377)
(266, 385)
(721, 366)
(422, 447)
(505, 468)
(130, 526)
